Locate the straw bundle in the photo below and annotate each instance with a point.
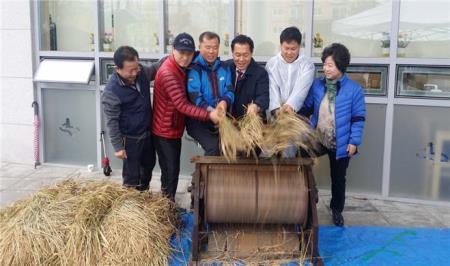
(242, 137)
(286, 130)
(251, 126)
(230, 139)
(87, 223)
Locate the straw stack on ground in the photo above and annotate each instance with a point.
(133, 240)
(87, 223)
(34, 231)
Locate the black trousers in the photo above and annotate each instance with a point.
(137, 168)
(169, 151)
(206, 134)
(338, 173)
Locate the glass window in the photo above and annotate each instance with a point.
(365, 171)
(424, 29)
(135, 23)
(420, 166)
(67, 25)
(372, 78)
(421, 81)
(362, 26)
(264, 20)
(69, 126)
(197, 16)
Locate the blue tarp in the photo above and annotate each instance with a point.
(356, 245)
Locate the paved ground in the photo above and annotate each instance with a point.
(19, 180)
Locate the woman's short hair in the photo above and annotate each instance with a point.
(340, 55)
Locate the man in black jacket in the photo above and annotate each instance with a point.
(250, 80)
(128, 111)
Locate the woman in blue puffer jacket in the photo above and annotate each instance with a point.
(338, 114)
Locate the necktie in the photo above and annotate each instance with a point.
(239, 76)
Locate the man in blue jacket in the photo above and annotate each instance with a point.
(209, 86)
(338, 114)
(251, 81)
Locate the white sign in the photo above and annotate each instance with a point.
(64, 71)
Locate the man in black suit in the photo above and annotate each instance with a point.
(251, 81)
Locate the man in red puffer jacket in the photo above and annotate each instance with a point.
(170, 107)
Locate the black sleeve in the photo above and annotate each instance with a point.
(262, 91)
(150, 71)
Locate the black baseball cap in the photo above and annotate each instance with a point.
(184, 42)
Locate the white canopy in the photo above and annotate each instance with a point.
(419, 21)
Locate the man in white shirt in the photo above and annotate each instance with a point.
(290, 76)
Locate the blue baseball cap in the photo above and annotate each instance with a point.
(184, 42)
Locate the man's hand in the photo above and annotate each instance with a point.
(222, 107)
(287, 108)
(252, 108)
(122, 154)
(215, 117)
(351, 149)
